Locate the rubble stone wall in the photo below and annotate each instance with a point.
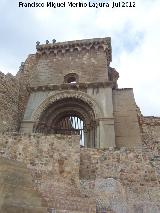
(73, 179)
(17, 193)
(124, 181)
(9, 101)
(151, 139)
(53, 162)
(14, 96)
(151, 129)
(24, 78)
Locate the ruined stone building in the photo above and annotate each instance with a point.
(71, 141)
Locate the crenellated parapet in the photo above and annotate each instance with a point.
(76, 47)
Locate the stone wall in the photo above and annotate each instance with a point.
(89, 58)
(81, 180)
(9, 102)
(14, 95)
(17, 193)
(127, 128)
(123, 181)
(53, 162)
(24, 77)
(51, 69)
(150, 127)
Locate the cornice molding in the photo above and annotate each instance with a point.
(70, 86)
(76, 46)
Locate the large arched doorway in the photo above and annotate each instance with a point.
(69, 116)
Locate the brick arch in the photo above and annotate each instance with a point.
(67, 94)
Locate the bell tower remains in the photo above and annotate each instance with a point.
(73, 90)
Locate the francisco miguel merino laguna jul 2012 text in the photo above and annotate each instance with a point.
(77, 4)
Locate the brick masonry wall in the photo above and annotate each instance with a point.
(9, 100)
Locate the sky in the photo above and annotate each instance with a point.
(135, 33)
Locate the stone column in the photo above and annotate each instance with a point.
(27, 127)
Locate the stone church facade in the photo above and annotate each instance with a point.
(64, 95)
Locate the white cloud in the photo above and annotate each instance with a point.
(135, 36)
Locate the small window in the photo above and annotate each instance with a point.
(71, 78)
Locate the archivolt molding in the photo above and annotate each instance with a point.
(67, 94)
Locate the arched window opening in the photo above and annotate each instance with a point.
(69, 116)
(71, 78)
(70, 125)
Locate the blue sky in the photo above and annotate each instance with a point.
(135, 36)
